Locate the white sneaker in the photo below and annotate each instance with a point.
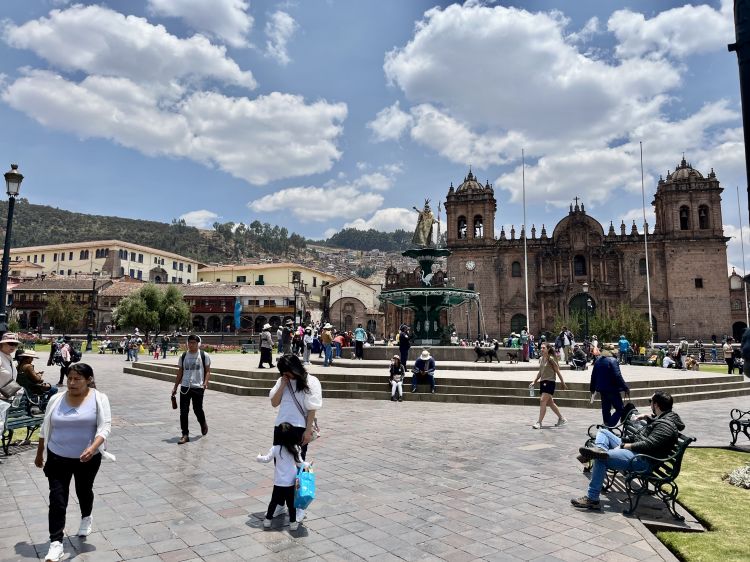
(300, 515)
(561, 422)
(537, 425)
(280, 510)
(294, 526)
(55, 553)
(85, 529)
(266, 523)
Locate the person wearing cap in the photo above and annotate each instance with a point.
(326, 338)
(8, 372)
(32, 380)
(404, 343)
(424, 366)
(194, 370)
(266, 347)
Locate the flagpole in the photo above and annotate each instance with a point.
(645, 244)
(525, 236)
(744, 271)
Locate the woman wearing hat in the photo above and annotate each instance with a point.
(266, 347)
(8, 372)
(424, 366)
(32, 380)
(326, 338)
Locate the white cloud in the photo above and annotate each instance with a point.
(390, 123)
(576, 99)
(678, 32)
(458, 143)
(259, 140)
(585, 34)
(386, 220)
(319, 204)
(734, 246)
(200, 219)
(100, 41)
(227, 20)
(279, 29)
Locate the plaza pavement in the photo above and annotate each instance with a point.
(396, 481)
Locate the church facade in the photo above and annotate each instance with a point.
(691, 294)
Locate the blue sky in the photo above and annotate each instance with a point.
(320, 114)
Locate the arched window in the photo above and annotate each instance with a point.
(478, 226)
(579, 266)
(737, 304)
(642, 266)
(517, 323)
(703, 222)
(515, 269)
(462, 228)
(684, 218)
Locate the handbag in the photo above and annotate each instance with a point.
(304, 490)
(9, 389)
(315, 428)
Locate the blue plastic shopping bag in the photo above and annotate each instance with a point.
(304, 493)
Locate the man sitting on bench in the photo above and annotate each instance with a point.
(578, 358)
(656, 439)
(423, 367)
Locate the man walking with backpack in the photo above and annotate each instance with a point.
(194, 370)
(607, 380)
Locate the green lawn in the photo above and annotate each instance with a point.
(715, 368)
(723, 509)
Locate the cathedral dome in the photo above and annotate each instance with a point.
(685, 172)
(471, 183)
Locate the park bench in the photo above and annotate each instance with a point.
(639, 360)
(19, 416)
(659, 481)
(249, 348)
(740, 423)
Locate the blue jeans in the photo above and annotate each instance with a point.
(338, 349)
(619, 459)
(327, 351)
(415, 378)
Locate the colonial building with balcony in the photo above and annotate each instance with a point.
(353, 301)
(113, 258)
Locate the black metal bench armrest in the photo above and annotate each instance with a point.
(737, 414)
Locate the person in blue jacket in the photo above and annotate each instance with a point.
(607, 380)
(624, 346)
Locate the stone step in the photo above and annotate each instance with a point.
(465, 393)
(382, 377)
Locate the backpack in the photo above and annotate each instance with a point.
(75, 355)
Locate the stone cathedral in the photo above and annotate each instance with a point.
(691, 293)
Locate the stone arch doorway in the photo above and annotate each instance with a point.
(517, 323)
(199, 324)
(213, 324)
(246, 323)
(275, 322)
(577, 305)
(738, 328)
(259, 322)
(34, 318)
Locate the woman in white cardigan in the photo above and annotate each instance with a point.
(74, 436)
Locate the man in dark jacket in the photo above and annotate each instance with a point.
(745, 348)
(656, 439)
(607, 380)
(404, 343)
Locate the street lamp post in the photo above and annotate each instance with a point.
(41, 320)
(90, 334)
(588, 305)
(341, 305)
(13, 179)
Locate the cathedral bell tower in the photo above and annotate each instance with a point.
(470, 212)
(688, 205)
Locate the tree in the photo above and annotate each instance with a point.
(153, 309)
(64, 313)
(363, 272)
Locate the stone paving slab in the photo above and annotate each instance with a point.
(396, 481)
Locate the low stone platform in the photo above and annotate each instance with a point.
(485, 384)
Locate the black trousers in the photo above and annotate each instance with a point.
(196, 395)
(282, 495)
(63, 371)
(358, 347)
(300, 431)
(730, 365)
(266, 356)
(59, 470)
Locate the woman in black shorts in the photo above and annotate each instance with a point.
(548, 371)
